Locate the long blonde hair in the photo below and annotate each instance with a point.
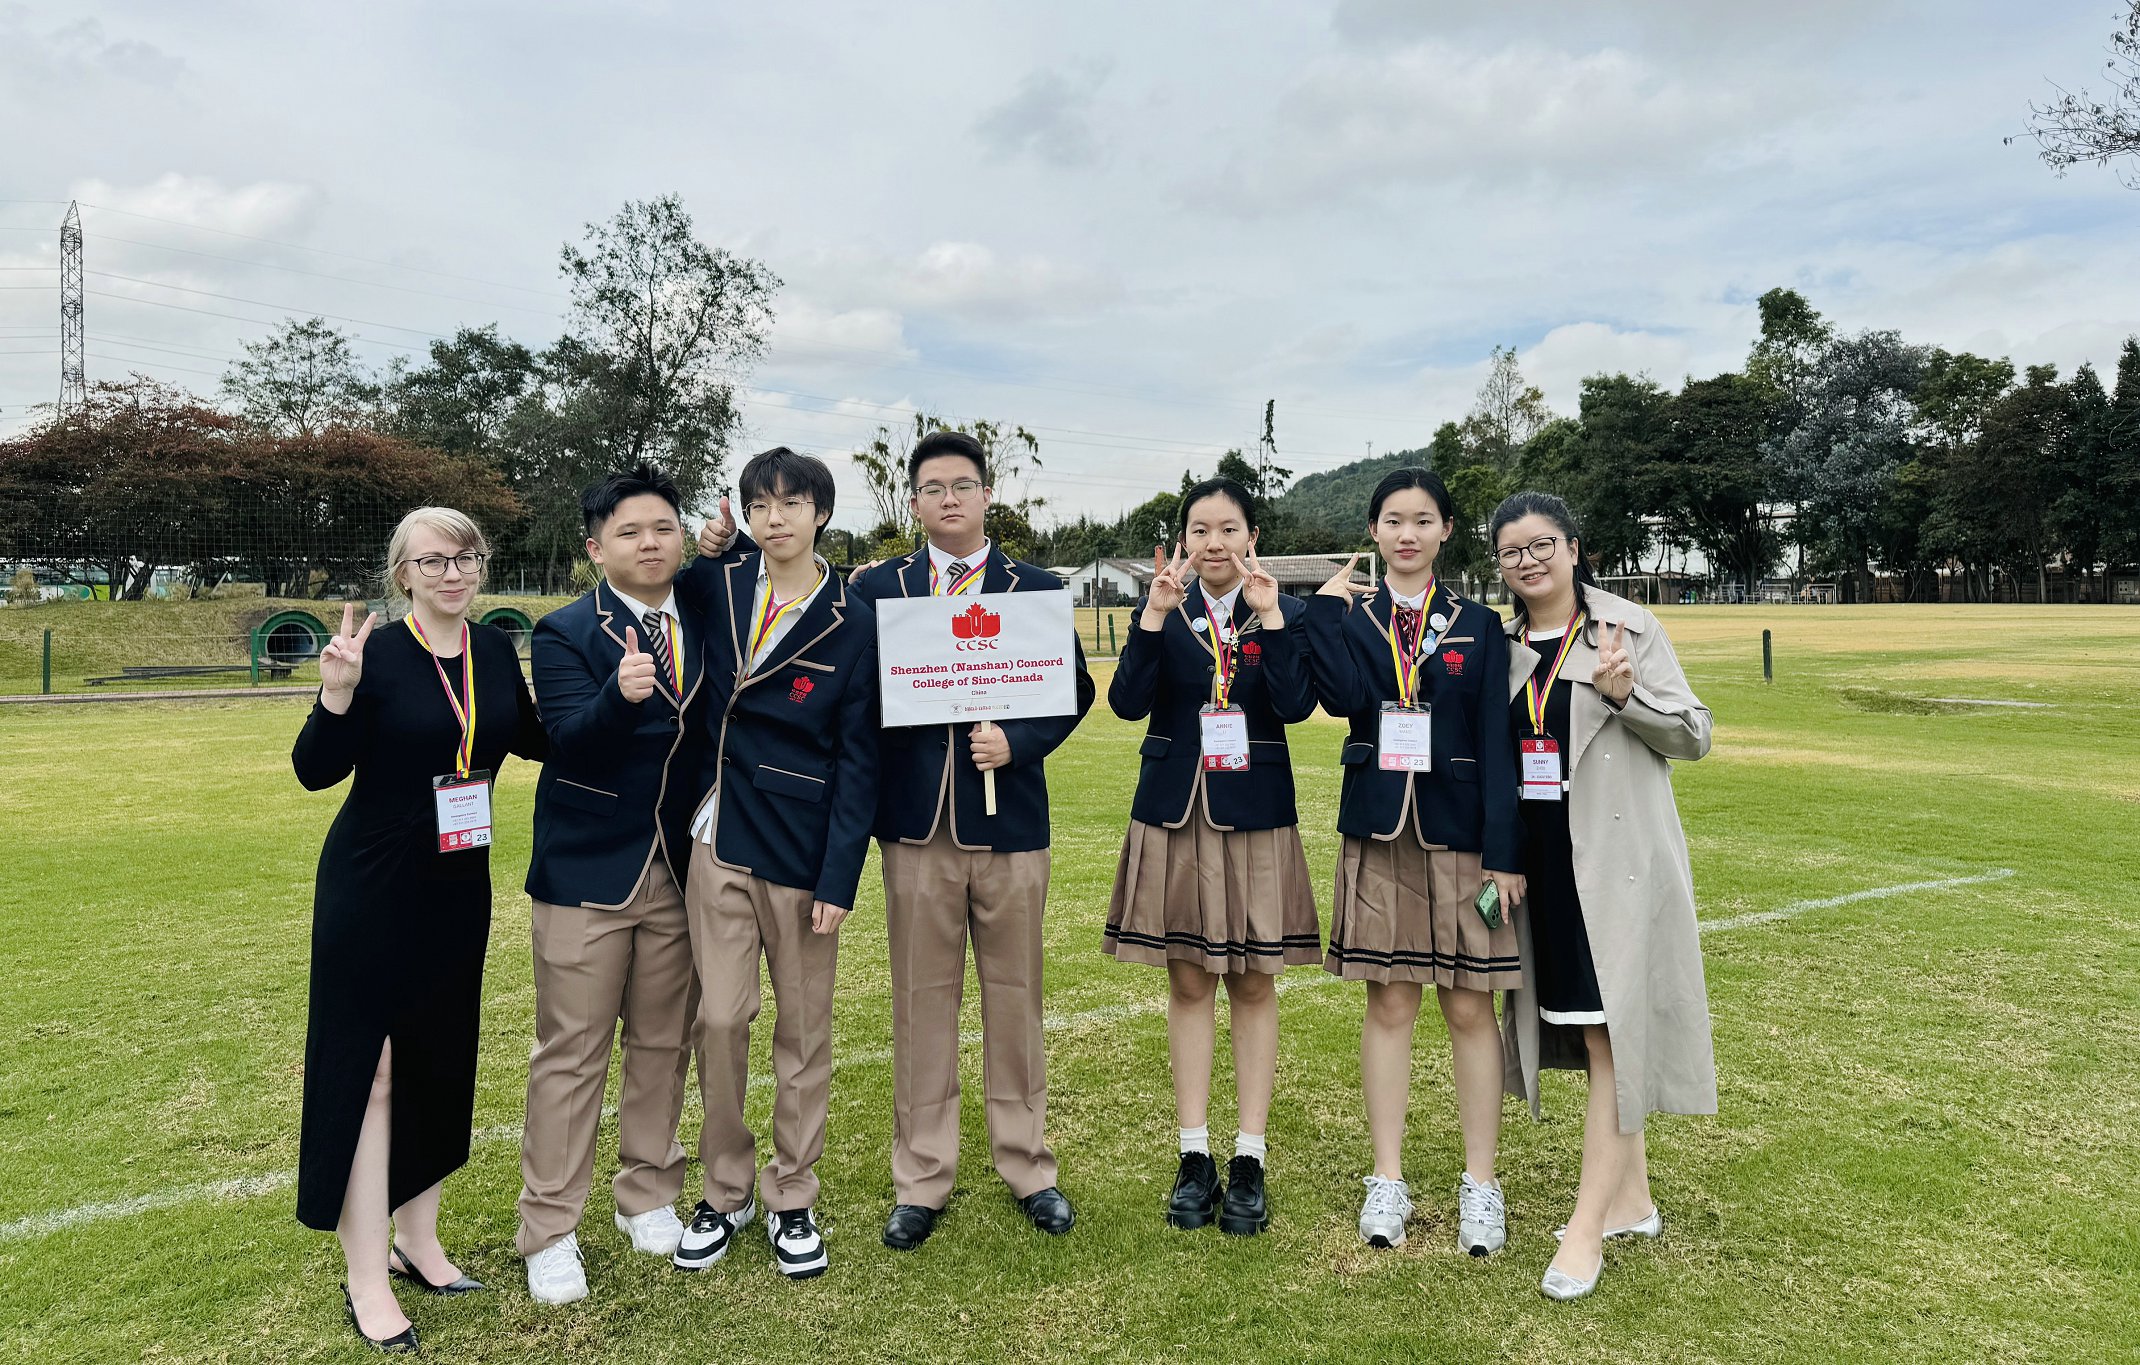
(455, 526)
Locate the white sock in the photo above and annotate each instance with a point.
(1249, 1144)
(1196, 1140)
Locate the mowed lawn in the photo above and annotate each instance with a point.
(1927, 1147)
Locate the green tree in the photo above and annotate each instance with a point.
(2084, 470)
(1507, 413)
(1713, 484)
(302, 379)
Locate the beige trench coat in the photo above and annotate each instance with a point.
(1631, 869)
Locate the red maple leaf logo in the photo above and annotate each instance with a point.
(1453, 662)
(976, 623)
(1251, 652)
(804, 685)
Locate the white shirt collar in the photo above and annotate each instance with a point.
(1221, 607)
(640, 608)
(765, 574)
(941, 560)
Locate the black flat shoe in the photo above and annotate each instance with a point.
(402, 1343)
(910, 1226)
(1050, 1211)
(398, 1263)
(1195, 1200)
(1246, 1209)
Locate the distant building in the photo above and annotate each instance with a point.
(1120, 582)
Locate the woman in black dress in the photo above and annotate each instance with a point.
(401, 912)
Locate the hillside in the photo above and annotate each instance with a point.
(1336, 499)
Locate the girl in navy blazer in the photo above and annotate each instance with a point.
(1429, 820)
(1213, 882)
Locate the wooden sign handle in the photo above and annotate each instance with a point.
(988, 779)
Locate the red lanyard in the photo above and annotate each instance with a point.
(1221, 648)
(1534, 698)
(464, 755)
(776, 611)
(1405, 656)
(958, 584)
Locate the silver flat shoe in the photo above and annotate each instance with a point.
(1652, 1226)
(1561, 1287)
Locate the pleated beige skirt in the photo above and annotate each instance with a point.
(1405, 913)
(1230, 901)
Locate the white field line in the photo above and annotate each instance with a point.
(257, 1186)
(1878, 893)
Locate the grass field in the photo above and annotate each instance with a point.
(1926, 1150)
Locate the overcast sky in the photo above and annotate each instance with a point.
(1124, 225)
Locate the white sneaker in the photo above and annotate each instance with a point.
(1482, 1217)
(555, 1274)
(1389, 1203)
(711, 1233)
(657, 1232)
(798, 1249)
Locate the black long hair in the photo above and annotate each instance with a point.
(1530, 503)
(1230, 489)
(1411, 476)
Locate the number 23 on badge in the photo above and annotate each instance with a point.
(1406, 739)
(463, 811)
(1225, 736)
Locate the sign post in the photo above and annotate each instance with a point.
(976, 660)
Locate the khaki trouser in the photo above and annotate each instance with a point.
(734, 918)
(594, 968)
(936, 895)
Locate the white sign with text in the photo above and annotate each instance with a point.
(995, 656)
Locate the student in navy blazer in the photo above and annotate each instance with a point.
(1421, 846)
(778, 844)
(619, 678)
(953, 873)
(1213, 883)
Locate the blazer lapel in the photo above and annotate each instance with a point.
(741, 584)
(605, 608)
(999, 576)
(914, 574)
(694, 657)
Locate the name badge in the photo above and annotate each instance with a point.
(1225, 736)
(1541, 769)
(463, 811)
(1407, 739)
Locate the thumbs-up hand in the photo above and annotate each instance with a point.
(716, 536)
(1614, 677)
(635, 671)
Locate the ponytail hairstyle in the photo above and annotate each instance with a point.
(1515, 507)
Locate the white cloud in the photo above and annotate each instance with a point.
(1048, 117)
(1569, 354)
(266, 208)
(64, 57)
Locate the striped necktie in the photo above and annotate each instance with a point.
(657, 644)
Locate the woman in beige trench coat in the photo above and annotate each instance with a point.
(1613, 964)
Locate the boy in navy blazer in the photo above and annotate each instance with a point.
(779, 840)
(951, 870)
(619, 680)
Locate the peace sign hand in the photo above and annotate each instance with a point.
(342, 661)
(1169, 588)
(1340, 584)
(1259, 589)
(716, 536)
(1614, 677)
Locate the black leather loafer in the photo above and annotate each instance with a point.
(1050, 1211)
(1246, 1209)
(910, 1226)
(398, 1263)
(1195, 1200)
(402, 1343)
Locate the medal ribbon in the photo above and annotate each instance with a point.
(676, 652)
(959, 584)
(777, 611)
(1405, 657)
(464, 754)
(1534, 697)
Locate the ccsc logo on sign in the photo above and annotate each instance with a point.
(976, 628)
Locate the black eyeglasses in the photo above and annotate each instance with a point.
(1540, 550)
(434, 566)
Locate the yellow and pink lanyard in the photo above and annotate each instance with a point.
(1534, 696)
(968, 576)
(464, 754)
(676, 651)
(777, 611)
(1404, 654)
(1221, 649)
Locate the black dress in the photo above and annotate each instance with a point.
(398, 928)
(1560, 945)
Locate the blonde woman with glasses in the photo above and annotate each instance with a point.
(422, 712)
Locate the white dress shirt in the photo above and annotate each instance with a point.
(941, 560)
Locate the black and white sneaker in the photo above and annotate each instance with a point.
(798, 1250)
(711, 1231)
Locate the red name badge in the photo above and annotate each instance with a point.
(1541, 769)
(463, 811)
